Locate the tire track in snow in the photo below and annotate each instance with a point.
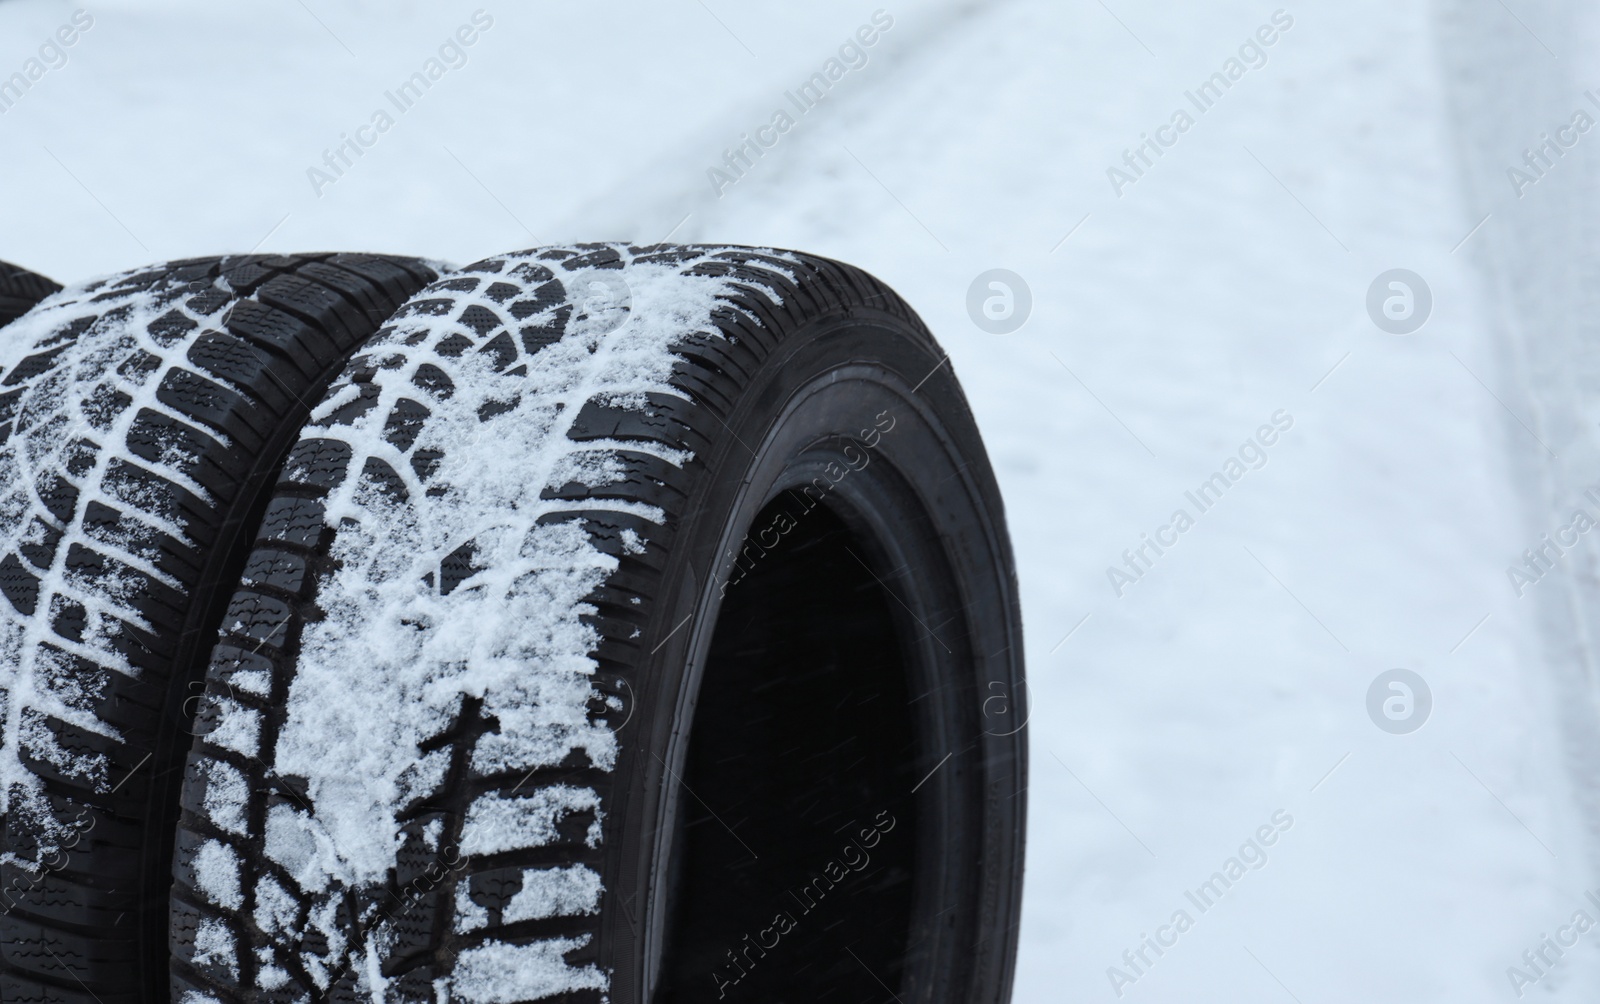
(671, 198)
(1537, 251)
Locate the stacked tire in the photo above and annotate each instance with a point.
(588, 623)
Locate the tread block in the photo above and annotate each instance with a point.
(33, 366)
(527, 271)
(80, 456)
(57, 955)
(89, 565)
(425, 462)
(208, 301)
(138, 367)
(318, 463)
(39, 546)
(228, 660)
(189, 451)
(432, 307)
(10, 401)
(58, 495)
(457, 567)
(171, 327)
(199, 939)
(366, 399)
(372, 301)
(383, 477)
(105, 525)
(399, 277)
(102, 406)
(237, 361)
(294, 521)
(243, 273)
(500, 292)
(604, 256)
(643, 475)
(502, 348)
(665, 421)
(215, 405)
(283, 333)
(405, 423)
(276, 570)
(68, 619)
(607, 529)
(19, 585)
(319, 306)
(141, 492)
(54, 897)
(481, 319)
(434, 380)
(261, 618)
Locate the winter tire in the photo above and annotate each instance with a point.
(20, 290)
(143, 419)
(628, 625)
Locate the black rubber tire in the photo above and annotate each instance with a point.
(861, 758)
(143, 420)
(20, 290)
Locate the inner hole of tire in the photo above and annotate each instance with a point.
(793, 859)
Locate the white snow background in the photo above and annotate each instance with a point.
(1168, 323)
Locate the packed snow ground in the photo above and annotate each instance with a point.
(1204, 704)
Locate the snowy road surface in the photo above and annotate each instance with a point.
(1182, 721)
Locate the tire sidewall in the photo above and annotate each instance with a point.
(924, 500)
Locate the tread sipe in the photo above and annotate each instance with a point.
(143, 419)
(580, 638)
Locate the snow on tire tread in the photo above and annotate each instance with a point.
(434, 702)
(133, 411)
